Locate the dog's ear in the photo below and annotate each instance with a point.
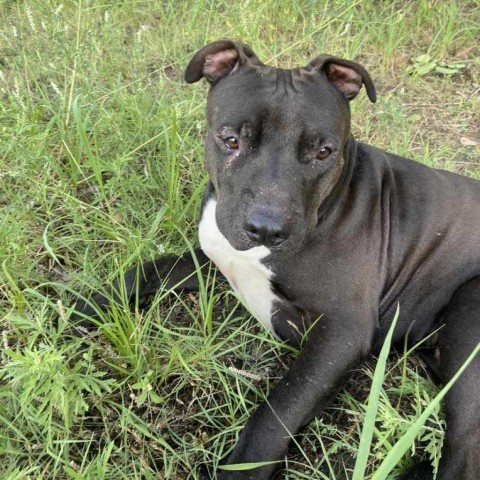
(346, 76)
(218, 59)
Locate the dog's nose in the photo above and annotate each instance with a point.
(266, 230)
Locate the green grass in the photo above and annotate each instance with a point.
(101, 146)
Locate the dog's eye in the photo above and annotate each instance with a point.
(323, 153)
(232, 143)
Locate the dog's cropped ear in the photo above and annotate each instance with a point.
(218, 59)
(346, 76)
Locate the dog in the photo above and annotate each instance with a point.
(323, 236)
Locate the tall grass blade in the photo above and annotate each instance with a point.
(373, 400)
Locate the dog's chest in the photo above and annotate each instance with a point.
(243, 269)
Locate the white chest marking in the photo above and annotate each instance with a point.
(246, 274)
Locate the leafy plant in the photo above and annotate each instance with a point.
(424, 64)
(47, 388)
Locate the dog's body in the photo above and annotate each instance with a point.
(323, 237)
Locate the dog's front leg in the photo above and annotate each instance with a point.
(141, 282)
(335, 345)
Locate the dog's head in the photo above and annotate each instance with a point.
(277, 140)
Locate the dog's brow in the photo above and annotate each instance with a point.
(284, 82)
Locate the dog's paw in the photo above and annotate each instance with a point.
(420, 471)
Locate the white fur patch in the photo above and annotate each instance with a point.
(246, 274)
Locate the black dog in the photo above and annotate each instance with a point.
(324, 236)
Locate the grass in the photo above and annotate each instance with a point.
(101, 168)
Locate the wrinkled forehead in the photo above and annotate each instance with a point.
(296, 98)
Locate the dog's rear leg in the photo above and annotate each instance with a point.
(140, 283)
(458, 337)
